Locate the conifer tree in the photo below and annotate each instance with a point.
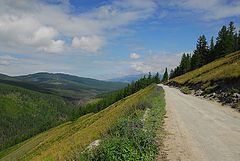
(235, 41)
(200, 55)
(156, 78)
(185, 64)
(230, 38)
(165, 76)
(211, 50)
(221, 44)
(227, 41)
(171, 75)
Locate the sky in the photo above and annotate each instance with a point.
(105, 39)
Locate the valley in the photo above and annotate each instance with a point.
(119, 80)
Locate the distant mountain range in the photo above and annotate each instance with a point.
(129, 78)
(64, 85)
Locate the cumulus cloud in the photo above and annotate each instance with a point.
(53, 47)
(156, 63)
(134, 56)
(141, 67)
(7, 60)
(88, 43)
(34, 26)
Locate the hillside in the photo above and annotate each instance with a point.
(69, 140)
(67, 86)
(34, 103)
(219, 79)
(24, 113)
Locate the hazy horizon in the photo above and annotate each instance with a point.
(105, 39)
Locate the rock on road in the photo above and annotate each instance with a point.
(198, 129)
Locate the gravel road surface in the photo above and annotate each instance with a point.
(198, 129)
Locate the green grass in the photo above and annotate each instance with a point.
(134, 136)
(69, 139)
(227, 67)
(185, 90)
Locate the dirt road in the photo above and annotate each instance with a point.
(199, 129)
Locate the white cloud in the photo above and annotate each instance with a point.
(88, 43)
(209, 9)
(20, 66)
(141, 67)
(7, 59)
(156, 63)
(54, 47)
(28, 26)
(134, 56)
(22, 31)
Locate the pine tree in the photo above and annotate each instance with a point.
(235, 41)
(165, 76)
(200, 56)
(227, 41)
(171, 75)
(185, 64)
(156, 78)
(221, 44)
(230, 38)
(188, 62)
(211, 50)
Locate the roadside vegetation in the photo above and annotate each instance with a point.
(25, 113)
(212, 71)
(134, 136)
(115, 96)
(68, 140)
(219, 80)
(185, 90)
(226, 67)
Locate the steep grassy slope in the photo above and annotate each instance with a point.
(225, 68)
(136, 136)
(24, 113)
(64, 141)
(64, 85)
(221, 77)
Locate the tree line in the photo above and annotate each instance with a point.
(115, 96)
(227, 41)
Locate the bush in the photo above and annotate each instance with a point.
(185, 90)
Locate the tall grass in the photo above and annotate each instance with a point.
(133, 137)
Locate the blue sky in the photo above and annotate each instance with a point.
(105, 39)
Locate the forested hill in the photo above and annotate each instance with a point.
(25, 113)
(34, 103)
(212, 70)
(219, 80)
(227, 42)
(64, 85)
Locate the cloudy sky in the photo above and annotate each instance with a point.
(105, 38)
